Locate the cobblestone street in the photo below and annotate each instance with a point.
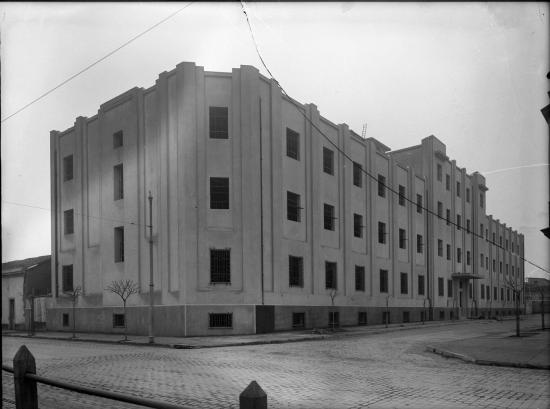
(382, 370)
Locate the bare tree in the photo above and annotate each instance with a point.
(74, 298)
(538, 293)
(124, 289)
(517, 289)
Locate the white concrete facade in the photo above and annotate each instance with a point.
(167, 150)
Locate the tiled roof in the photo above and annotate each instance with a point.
(20, 265)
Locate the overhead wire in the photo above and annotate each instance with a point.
(345, 155)
(96, 62)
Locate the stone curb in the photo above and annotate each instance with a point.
(236, 344)
(469, 359)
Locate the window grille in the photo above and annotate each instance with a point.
(328, 161)
(219, 122)
(292, 144)
(295, 271)
(219, 193)
(298, 320)
(224, 320)
(293, 206)
(328, 216)
(381, 232)
(118, 320)
(357, 225)
(220, 266)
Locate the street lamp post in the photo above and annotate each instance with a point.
(151, 286)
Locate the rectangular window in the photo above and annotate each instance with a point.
(501, 294)
(494, 266)
(439, 209)
(468, 225)
(292, 144)
(334, 319)
(359, 278)
(440, 248)
(488, 292)
(458, 221)
(118, 320)
(381, 186)
(448, 217)
(118, 139)
(506, 244)
(481, 260)
(402, 239)
(381, 232)
(448, 251)
(494, 238)
(65, 320)
(419, 204)
(219, 122)
(500, 241)
(481, 199)
(220, 320)
(293, 207)
(439, 172)
(295, 271)
(328, 161)
(357, 174)
(481, 229)
(118, 182)
(68, 168)
(67, 278)
(220, 266)
(507, 294)
(401, 195)
(441, 314)
(448, 182)
(449, 288)
(298, 320)
(468, 195)
(330, 275)
(119, 244)
(500, 267)
(457, 189)
(386, 317)
(219, 193)
(383, 281)
(406, 316)
(468, 260)
(482, 291)
(419, 244)
(328, 216)
(440, 287)
(495, 294)
(404, 283)
(362, 318)
(68, 221)
(420, 285)
(459, 255)
(357, 225)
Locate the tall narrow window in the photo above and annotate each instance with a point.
(295, 271)
(439, 209)
(381, 186)
(468, 257)
(381, 232)
(481, 199)
(119, 244)
(67, 278)
(293, 206)
(118, 182)
(448, 215)
(482, 291)
(68, 221)
(328, 161)
(359, 278)
(292, 144)
(440, 248)
(383, 281)
(440, 287)
(448, 251)
(401, 195)
(220, 266)
(357, 174)
(457, 189)
(447, 182)
(330, 275)
(328, 216)
(219, 193)
(219, 122)
(468, 195)
(118, 139)
(402, 239)
(459, 255)
(439, 172)
(404, 283)
(449, 288)
(458, 221)
(67, 168)
(357, 225)
(468, 225)
(419, 204)
(421, 285)
(419, 244)
(481, 260)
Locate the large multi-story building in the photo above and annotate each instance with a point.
(266, 216)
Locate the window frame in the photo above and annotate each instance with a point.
(218, 122)
(292, 144)
(295, 271)
(220, 266)
(331, 275)
(220, 193)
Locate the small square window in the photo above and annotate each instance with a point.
(219, 122)
(118, 320)
(292, 144)
(357, 174)
(406, 316)
(298, 320)
(118, 139)
(328, 161)
(67, 168)
(220, 320)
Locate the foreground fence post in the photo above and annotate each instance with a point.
(253, 397)
(26, 396)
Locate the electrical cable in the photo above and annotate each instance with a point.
(96, 62)
(302, 111)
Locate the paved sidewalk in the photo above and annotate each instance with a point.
(232, 340)
(530, 350)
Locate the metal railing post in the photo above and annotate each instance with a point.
(26, 396)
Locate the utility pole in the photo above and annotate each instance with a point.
(151, 286)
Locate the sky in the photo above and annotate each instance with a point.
(472, 74)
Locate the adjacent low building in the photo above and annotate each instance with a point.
(266, 216)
